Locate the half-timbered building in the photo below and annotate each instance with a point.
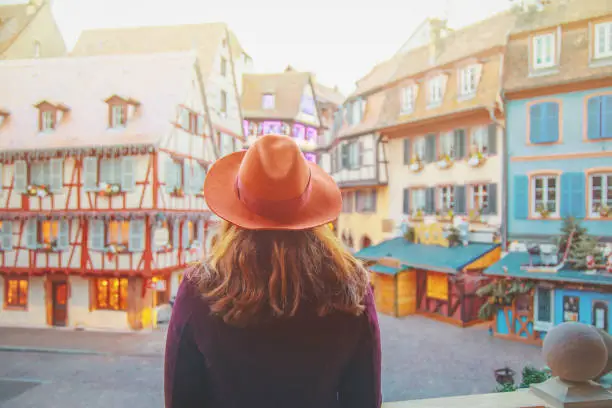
(102, 167)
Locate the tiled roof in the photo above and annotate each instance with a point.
(14, 18)
(575, 62)
(287, 87)
(327, 94)
(205, 39)
(514, 260)
(83, 84)
(429, 257)
(380, 75)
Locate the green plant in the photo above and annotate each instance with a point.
(506, 388)
(532, 375)
(409, 234)
(454, 236)
(582, 244)
(501, 293)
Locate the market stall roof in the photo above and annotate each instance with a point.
(430, 257)
(510, 266)
(387, 270)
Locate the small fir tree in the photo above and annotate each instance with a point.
(582, 244)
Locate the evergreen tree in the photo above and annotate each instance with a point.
(582, 244)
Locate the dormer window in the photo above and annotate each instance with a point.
(120, 110)
(468, 80)
(435, 91)
(4, 115)
(603, 40)
(544, 55)
(50, 115)
(268, 101)
(408, 99)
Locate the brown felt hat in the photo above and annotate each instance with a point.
(271, 186)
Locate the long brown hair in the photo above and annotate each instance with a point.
(253, 275)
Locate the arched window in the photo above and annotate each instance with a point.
(600, 315)
(365, 242)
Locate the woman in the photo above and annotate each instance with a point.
(280, 315)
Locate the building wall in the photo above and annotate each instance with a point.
(35, 314)
(585, 307)
(460, 173)
(571, 154)
(43, 29)
(369, 149)
(80, 315)
(359, 225)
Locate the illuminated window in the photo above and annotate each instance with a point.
(437, 286)
(111, 293)
(16, 294)
(118, 232)
(50, 232)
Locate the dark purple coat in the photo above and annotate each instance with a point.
(302, 362)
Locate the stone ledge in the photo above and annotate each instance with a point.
(517, 399)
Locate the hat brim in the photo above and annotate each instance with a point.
(323, 206)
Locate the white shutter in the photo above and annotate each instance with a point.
(137, 235)
(63, 239)
(90, 172)
(6, 235)
(170, 178)
(31, 232)
(56, 175)
(21, 176)
(185, 243)
(1, 179)
(106, 170)
(175, 236)
(187, 174)
(96, 234)
(128, 178)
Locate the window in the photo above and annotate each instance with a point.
(47, 173)
(447, 144)
(419, 148)
(16, 292)
(174, 175)
(600, 194)
(599, 117)
(544, 122)
(223, 107)
(544, 51)
(480, 140)
(543, 319)
(435, 91)
(110, 171)
(358, 111)
(308, 105)
(468, 80)
(546, 196)
(118, 233)
(49, 232)
(6, 235)
(223, 67)
(447, 198)
(268, 101)
(118, 171)
(480, 197)
(47, 120)
(347, 202)
(600, 315)
(418, 201)
(118, 115)
(603, 40)
(111, 293)
(437, 286)
(571, 308)
(226, 144)
(408, 98)
(161, 295)
(366, 201)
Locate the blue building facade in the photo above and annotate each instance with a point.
(560, 163)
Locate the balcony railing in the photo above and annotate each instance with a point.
(517, 399)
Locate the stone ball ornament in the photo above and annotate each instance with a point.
(575, 352)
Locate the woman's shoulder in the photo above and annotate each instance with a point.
(189, 295)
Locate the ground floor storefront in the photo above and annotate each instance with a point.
(101, 302)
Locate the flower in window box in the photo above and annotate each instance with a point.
(445, 215)
(418, 215)
(444, 161)
(477, 157)
(604, 211)
(416, 164)
(475, 215)
(178, 192)
(543, 211)
(108, 189)
(116, 248)
(35, 190)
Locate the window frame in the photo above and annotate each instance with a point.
(348, 199)
(122, 299)
(419, 143)
(268, 101)
(479, 190)
(467, 77)
(414, 193)
(446, 195)
(434, 88)
(477, 133)
(408, 94)
(48, 120)
(545, 188)
(542, 325)
(606, 187)
(603, 305)
(537, 49)
(366, 201)
(41, 231)
(116, 108)
(607, 28)
(443, 139)
(18, 304)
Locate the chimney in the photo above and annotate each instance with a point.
(437, 30)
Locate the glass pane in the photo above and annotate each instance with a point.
(11, 293)
(544, 314)
(113, 290)
(102, 290)
(600, 318)
(596, 180)
(123, 294)
(551, 206)
(552, 182)
(539, 182)
(538, 195)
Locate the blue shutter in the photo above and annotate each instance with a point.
(406, 151)
(430, 200)
(565, 206)
(535, 123)
(578, 195)
(374, 200)
(521, 197)
(492, 139)
(551, 122)
(430, 148)
(594, 118)
(406, 203)
(459, 143)
(606, 116)
(63, 239)
(492, 197)
(460, 200)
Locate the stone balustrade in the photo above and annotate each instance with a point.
(579, 356)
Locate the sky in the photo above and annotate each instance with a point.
(337, 40)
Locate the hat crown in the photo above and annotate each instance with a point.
(274, 168)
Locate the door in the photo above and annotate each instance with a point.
(60, 304)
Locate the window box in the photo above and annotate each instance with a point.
(35, 190)
(604, 211)
(116, 248)
(416, 164)
(475, 215)
(109, 189)
(543, 211)
(49, 247)
(445, 216)
(477, 159)
(444, 162)
(418, 216)
(177, 191)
